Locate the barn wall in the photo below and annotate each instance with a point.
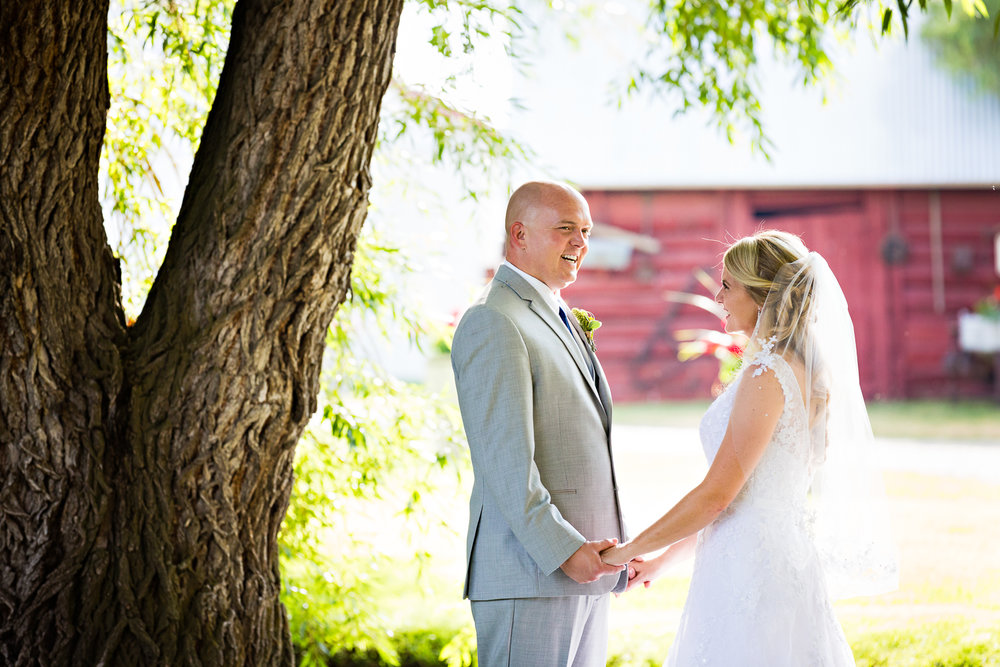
(940, 245)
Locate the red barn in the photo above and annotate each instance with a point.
(891, 173)
(909, 260)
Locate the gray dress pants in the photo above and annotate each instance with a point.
(570, 631)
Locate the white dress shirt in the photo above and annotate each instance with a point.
(549, 296)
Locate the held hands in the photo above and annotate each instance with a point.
(640, 571)
(585, 565)
(616, 555)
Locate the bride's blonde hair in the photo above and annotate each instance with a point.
(756, 262)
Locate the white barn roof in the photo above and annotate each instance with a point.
(893, 118)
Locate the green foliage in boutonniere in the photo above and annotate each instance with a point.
(589, 324)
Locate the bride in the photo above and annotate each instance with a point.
(787, 518)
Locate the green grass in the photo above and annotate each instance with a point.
(949, 643)
(675, 414)
(936, 420)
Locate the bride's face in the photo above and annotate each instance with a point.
(741, 310)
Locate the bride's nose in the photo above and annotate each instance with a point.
(718, 296)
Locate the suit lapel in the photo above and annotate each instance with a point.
(580, 338)
(602, 387)
(554, 323)
(573, 347)
(600, 383)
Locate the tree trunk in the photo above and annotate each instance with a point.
(146, 471)
(61, 331)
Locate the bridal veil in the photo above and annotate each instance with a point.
(805, 317)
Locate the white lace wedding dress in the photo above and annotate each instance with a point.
(758, 595)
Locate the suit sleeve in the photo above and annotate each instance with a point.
(495, 393)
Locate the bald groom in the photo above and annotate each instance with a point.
(537, 414)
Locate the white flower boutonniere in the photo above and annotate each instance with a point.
(588, 323)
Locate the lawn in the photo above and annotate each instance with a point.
(946, 611)
(937, 420)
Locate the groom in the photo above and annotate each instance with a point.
(537, 414)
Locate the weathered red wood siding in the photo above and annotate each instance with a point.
(905, 313)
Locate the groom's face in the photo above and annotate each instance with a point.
(556, 237)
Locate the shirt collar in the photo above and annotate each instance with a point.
(549, 296)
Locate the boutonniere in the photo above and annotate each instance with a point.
(589, 324)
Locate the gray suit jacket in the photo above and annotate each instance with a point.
(539, 429)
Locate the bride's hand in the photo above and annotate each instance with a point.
(643, 572)
(616, 555)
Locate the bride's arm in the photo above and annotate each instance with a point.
(758, 404)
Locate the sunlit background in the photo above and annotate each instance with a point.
(889, 167)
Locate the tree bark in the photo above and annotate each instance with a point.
(61, 329)
(146, 471)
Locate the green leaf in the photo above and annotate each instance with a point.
(904, 16)
(847, 7)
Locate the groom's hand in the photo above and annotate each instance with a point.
(585, 565)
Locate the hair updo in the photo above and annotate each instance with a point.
(767, 263)
(754, 261)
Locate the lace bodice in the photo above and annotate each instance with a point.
(784, 472)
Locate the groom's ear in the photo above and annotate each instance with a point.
(517, 232)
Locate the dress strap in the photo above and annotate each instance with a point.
(767, 359)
